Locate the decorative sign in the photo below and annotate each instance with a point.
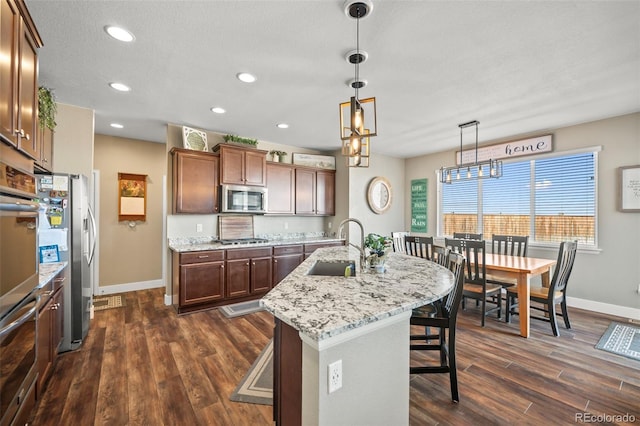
(629, 195)
(311, 160)
(132, 191)
(531, 146)
(419, 205)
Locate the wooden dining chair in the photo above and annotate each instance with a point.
(398, 241)
(418, 246)
(440, 255)
(512, 245)
(444, 320)
(475, 285)
(550, 296)
(467, 236)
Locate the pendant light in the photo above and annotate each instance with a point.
(470, 170)
(357, 114)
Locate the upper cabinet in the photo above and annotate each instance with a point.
(281, 188)
(240, 166)
(315, 192)
(19, 43)
(195, 181)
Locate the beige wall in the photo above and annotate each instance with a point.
(611, 275)
(73, 141)
(130, 255)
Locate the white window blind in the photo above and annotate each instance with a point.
(559, 205)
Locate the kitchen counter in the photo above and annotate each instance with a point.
(48, 271)
(320, 306)
(188, 244)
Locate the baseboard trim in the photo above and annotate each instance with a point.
(123, 288)
(167, 299)
(604, 308)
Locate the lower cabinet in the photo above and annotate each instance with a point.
(199, 278)
(285, 260)
(49, 332)
(248, 272)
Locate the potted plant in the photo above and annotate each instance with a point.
(239, 140)
(378, 246)
(47, 108)
(278, 156)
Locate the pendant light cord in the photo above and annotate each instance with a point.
(357, 81)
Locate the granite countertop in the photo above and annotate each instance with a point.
(49, 270)
(321, 307)
(211, 243)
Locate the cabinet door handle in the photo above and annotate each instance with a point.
(203, 256)
(27, 137)
(275, 260)
(221, 266)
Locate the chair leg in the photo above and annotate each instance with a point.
(453, 374)
(443, 352)
(507, 308)
(565, 314)
(552, 319)
(484, 310)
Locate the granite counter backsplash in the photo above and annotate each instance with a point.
(186, 244)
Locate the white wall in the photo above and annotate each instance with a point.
(612, 275)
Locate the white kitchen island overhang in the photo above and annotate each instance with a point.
(362, 321)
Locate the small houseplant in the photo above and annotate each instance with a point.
(240, 140)
(378, 246)
(47, 108)
(277, 155)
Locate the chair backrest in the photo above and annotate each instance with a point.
(513, 245)
(440, 255)
(398, 241)
(456, 264)
(418, 246)
(467, 236)
(475, 253)
(564, 265)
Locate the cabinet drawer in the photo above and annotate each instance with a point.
(248, 253)
(201, 256)
(278, 250)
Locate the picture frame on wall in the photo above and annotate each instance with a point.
(629, 189)
(313, 160)
(132, 196)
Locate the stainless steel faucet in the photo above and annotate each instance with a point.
(361, 247)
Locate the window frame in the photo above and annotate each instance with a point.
(595, 150)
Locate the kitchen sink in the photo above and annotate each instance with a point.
(332, 268)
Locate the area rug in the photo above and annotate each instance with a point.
(256, 386)
(108, 302)
(621, 339)
(242, 308)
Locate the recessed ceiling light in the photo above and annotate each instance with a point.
(119, 33)
(117, 126)
(246, 77)
(282, 126)
(218, 110)
(120, 87)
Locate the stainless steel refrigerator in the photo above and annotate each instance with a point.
(67, 221)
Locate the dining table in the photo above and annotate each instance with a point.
(520, 269)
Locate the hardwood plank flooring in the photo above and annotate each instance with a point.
(144, 365)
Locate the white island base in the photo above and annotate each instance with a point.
(375, 376)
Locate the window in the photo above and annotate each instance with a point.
(560, 205)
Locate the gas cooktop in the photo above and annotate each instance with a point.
(243, 241)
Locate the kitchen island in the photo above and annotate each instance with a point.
(361, 323)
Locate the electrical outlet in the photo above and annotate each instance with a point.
(335, 376)
(199, 227)
(330, 225)
(286, 225)
(638, 289)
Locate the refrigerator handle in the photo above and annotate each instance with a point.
(94, 232)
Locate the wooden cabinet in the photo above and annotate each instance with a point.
(240, 166)
(199, 278)
(281, 188)
(286, 259)
(195, 182)
(50, 326)
(315, 192)
(311, 247)
(19, 43)
(248, 272)
(45, 140)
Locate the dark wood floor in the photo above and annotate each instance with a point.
(142, 364)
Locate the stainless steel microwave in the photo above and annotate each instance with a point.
(243, 199)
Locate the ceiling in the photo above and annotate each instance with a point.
(518, 67)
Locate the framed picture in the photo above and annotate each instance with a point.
(312, 160)
(194, 139)
(49, 254)
(132, 197)
(629, 189)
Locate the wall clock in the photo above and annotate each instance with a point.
(379, 195)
